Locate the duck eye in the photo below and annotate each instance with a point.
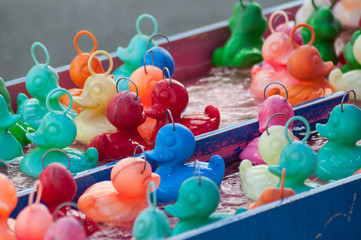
(53, 129)
(38, 82)
(84, 69)
(275, 47)
(276, 145)
(164, 95)
(97, 90)
(296, 156)
(315, 59)
(169, 140)
(141, 228)
(193, 198)
(335, 120)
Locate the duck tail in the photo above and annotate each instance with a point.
(20, 99)
(216, 163)
(92, 154)
(335, 78)
(213, 113)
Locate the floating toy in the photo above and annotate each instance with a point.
(169, 94)
(10, 148)
(340, 157)
(349, 12)
(313, 85)
(8, 201)
(132, 55)
(56, 130)
(125, 112)
(275, 51)
(305, 11)
(97, 92)
(33, 221)
(40, 80)
(272, 105)
(151, 223)
(66, 228)
(243, 48)
(19, 129)
(174, 145)
(350, 79)
(198, 199)
(124, 197)
(348, 53)
(273, 194)
(326, 28)
(162, 58)
(299, 160)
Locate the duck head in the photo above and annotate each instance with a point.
(196, 201)
(6, 118)
(342, 127)
(8, 197)
(6, 95)
(357, 47)
(131, 177)
(249, 20)
(125, 111)
(305, 64)
(276, 49)
(56, 130)
(97, 92)
(174, 144)
(168, 95)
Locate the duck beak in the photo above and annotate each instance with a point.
(275, 169)
(155, 111)
(39, 138)
(85, 100)
(178, 210)
(326, 67)
(56, 95)
(12, 119)
(4, 209)
(325, 131)
(159, 155)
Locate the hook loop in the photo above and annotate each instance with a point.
(302, 119)
(344, 96)
(145, 60)
(170, 77)
(143, 16)
(35, 44)
(55, 150)
(274, 17)
(59, 90)
(130, 80)
(269, 120)
(143, 152)
(168, 112)
(39, 187)
(70, 204)
(306, 26)
(316, 7)
(158, 35)
(97, 53)
(85, 32)
(264, 91)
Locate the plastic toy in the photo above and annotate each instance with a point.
(151, 223)
(174, 145)
(243, 48)
(56, 130)
(272, 105)
(273, 194)
(340, 157)
(349, 12)
(40, 80)
(275, 51)
(305, 11)
(162, 58)
(125, 112)
(198, 199)
(10, 148)
(19, 129)
(348, 53)
(326, 28)
(299, 160)
(97, 92)
(169, 94)
(132, 55)
(124, 197)
(65, 227)
(309, 72)
(8, 201)
(33, 221)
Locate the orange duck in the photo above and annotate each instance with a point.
(8, 201)
(306, 65)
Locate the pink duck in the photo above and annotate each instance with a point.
(275, 51)
(273, 104)
(8, 201)
(125, 112)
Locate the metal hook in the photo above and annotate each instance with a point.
(264, 91)
(276, 114)
(158, 35)
(145, 158)
(170, 77)
(344, 96)
(130, 80)
(168, 112)
(316, 7)
(145, 60)
(70, 204)
(55, 150)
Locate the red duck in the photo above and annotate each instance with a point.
(171, 94)
(125, 112)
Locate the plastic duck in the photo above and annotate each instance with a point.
(161, 57)
(10, 148)
(243, 48)
(174, 145)
(56, 130)
(132, 55)
(8, 201)
(125, 112)
(348, 53)
(340, 157)
(351, 79)
(198, 199)
(40, 80)
(305, 64)
(305, 11)
(169, 94)
(273, 194)
(122, 199)
(275, 51)
(65, 227)
(326, 28)
(79, 71)
(272, 105)
(299, 160)
(349, 12)
(97, 92)
(34, 220)
(19, 129)
(151, 223)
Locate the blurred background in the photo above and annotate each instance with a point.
(55, 23)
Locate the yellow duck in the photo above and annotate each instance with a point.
(351, 79)
(97, 92)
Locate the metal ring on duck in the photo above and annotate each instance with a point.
(344, 96)
(145, 60)
(130, 80)
(316, 7)
(70, 204)
(143, 152)
(168, 112)
(158, 35)
(170, 77)
(264, 91)
(276, 114)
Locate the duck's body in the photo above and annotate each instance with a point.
(348, 12)
(8, 201)
(346, 81)
(353, 62)
(305, 11)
